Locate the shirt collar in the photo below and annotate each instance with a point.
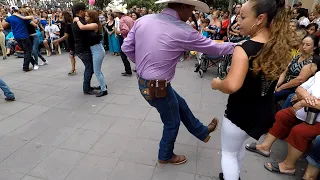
(171, 12)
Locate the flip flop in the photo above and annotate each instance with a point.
(253, 148)
(275, 168)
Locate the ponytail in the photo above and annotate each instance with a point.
(275, 56)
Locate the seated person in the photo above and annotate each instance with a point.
(10, 43)
(290, 126)
(313, 159)
(299, 70)
(52, 33)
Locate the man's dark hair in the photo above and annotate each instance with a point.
(78, 7)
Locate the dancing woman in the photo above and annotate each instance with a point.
(94, 26)
(255, 69)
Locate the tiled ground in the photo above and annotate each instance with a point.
(54, 132)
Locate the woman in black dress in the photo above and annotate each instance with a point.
(255, 69)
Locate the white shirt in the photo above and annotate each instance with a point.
(51, 30)
(304, 21)
(313, 88)
(117, 23)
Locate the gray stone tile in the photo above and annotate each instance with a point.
(91, 107)
(19, 94)
(34, 98)
(81, 140)
(190, 152)
(11, 108)
(108, 98)
(3, 116)
(57, 165)
(111, 145)
(122, 83)
(130, 171)
(21, 85)
(185, 137)
(136, 112)
(113, 110)
(36, 88)
(139, 101)
(208, 162)
(142, 151)
(131, 91)
(99, 123)
(125, 126)
(27, 157)
(165, 174)
(71, 104)
(198, 177)
(30, 178)
(153, 115)
(6, 174)
(150, 130)
(9, 145)
(52, 101)
(93, 167)
(113, 89)
(54, 136)
(123, 99)
(30, 130)
(214, 142)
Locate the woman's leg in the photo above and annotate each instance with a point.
(97, 57)
(288, 102)
(3, 45)
(35, 44)
(232, 140)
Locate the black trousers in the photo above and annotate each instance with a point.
(124, 58)
(26, 45)
(86, 58)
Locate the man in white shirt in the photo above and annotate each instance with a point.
(52, 33)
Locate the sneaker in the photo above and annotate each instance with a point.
(4, 57)
(44, 63)
(72, 73)
(35, 67)
(10, 99)
(126, 74)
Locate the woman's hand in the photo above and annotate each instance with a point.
(76, 19)
(298, 106)
(216, 83)
(278, 89)
(311, 100)
(294, 98)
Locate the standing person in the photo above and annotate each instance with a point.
(251, 81)
(82, 48)
(156, 60)
(95, 29)
(126, 24)
(68, 35)
(113, 37)
(21, 35)
(3, 39)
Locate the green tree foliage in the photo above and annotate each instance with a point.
(101, 4)
(149, 4)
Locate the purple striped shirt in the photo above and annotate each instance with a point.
(156, 42)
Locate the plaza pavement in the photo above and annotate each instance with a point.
(54, 132)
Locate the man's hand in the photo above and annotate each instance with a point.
(299, 105)
(76, 19)
(215, 83)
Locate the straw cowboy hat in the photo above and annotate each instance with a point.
(120, 9)
(200, 6)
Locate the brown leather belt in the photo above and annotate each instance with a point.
(152, 83)
(155, 88)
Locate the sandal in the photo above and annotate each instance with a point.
(253, 148)
(275, 169)
(212, 127)
(175, 160)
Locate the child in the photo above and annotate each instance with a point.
(205, 24)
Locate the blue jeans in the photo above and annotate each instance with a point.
(314, 155)
(173, 109)
(35, 49)
(86, 58)
(283, 94)
(6, 90)
(98, 53)
(288, 103)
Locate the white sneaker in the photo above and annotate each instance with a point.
(35, 67)
(44, 63)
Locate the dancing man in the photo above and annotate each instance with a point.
(156, 60)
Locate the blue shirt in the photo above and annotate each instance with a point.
(18, 26)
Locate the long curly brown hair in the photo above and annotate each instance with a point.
(275, 56)
(94, 18)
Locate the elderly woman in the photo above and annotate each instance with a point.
(290, 125)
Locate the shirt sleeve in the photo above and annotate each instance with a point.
(306, 85)
(197, 42)
(57, 28)
(124, 28)
(128, 46)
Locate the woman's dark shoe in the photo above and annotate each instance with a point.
(10, 99)
(221, 177)
(102, 93)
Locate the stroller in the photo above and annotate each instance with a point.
(205, 61)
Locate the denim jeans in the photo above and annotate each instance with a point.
(288, 103)
(314, 155)
(26, 45)
(86, 58)
(98, 53)
(124, 57)
(173, 109)
(35, 49)
(283, 94)
(6, 90)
